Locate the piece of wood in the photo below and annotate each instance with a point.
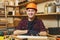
(34, 37)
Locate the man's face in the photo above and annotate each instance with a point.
(31, 13)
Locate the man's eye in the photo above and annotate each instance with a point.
(32, 10)
(28, 10)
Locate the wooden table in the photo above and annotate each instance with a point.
(31, 37)
(20, 37)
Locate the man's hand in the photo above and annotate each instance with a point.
(17, 32)
(43, 33)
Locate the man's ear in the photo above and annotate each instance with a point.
(36, 12)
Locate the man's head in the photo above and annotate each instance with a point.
(31, 9)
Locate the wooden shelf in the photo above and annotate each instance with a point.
(10, 25)
(36, 15)
(2, 26)
(37, 1)
(10, 16)
(23, 4)
(44, 14)
(2, 9)
(47, 14)
(13, 15)
(16, 15)
(2, 15)
(11, 6)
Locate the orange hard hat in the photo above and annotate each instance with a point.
(31, 5)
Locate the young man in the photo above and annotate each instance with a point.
(31, 25)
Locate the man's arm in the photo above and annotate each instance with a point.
(21, 28)
(43, 30)
(17, 32)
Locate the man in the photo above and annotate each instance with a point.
(31, 25)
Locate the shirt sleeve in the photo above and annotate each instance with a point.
(19, 26)
(22, 25)
(42, 27)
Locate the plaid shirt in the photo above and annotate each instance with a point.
(38, 25)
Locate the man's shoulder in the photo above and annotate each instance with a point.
(38, 20)
(24, 21)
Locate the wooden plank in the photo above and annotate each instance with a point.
(31, 37)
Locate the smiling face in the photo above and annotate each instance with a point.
(31, 13)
